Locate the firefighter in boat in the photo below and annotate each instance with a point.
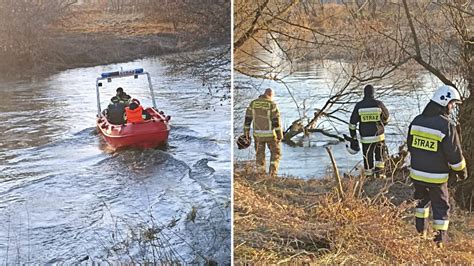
(135, 113)
(122, 96)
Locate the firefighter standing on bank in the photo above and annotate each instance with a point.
(265, 115)
(372, 116)
(436, 156)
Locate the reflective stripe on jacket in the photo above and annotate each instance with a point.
(435, 149)
(371, 115)
(124, 98)
(135, 115)
(264, 114)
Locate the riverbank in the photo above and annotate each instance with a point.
(93, 37)
(291, 220)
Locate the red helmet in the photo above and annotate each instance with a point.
(243, 142)
(136, 101)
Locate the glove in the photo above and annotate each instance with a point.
(279, 135)
(355, 145)
(462, 175)
(452, 179)
(247, 134)
(456, 176)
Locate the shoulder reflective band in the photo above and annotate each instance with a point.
(367, 140)
(440, 225)
(370, 114)
(370, 110)
(422, 212)
(458, 166)
(425, 143)
(261, 105)
(434, 178)
(427, 132)
(352, 127)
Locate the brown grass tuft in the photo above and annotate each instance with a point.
(290, 220)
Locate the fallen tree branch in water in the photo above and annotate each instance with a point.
(325, 133)
(297, 127)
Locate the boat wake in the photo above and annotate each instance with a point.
(100, 192)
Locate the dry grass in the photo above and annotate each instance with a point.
(96, 21)
(292, 220)
(272, 221)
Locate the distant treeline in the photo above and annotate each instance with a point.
(32, 34)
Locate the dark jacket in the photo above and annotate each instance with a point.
(124, 98)
(115, 113)
(371, 115)
(434, 146)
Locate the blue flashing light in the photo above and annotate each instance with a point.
(122, 73)
(138, 70)
(110, 74)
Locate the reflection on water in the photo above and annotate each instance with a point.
(310, 86)
(65, 196)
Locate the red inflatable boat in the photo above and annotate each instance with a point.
(147, 134)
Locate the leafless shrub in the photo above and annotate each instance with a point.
(25, 27)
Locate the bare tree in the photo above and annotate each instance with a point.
(203, 28)
(379, 40)
(296, 31)
(24, 28)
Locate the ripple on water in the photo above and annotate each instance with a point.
(65, 195)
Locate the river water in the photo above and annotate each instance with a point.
(310, 85)
(66, 197)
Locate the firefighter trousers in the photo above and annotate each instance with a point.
(374, 150)
(437, 196)
(275, 154)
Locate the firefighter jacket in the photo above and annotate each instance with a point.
(115, 112)
(434, 146)
(266, 119)
(124, 98)
(371, 115)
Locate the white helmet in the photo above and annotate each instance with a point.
(350, 150)
(446, 94)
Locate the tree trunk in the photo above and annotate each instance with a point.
(465, 191)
